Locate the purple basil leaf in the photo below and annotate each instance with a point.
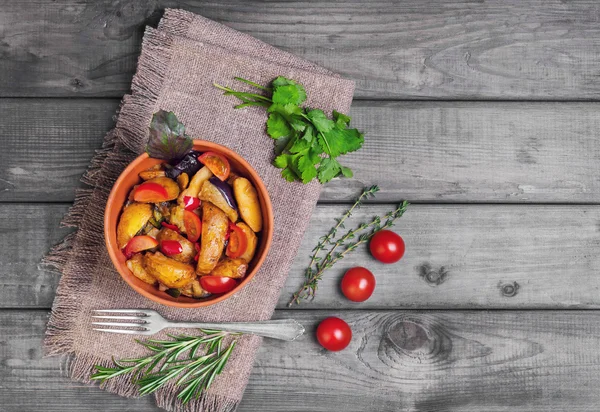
(168, 140)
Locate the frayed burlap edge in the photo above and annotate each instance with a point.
(59, 339)
(129, 133)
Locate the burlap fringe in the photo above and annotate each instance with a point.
(59, 339)
(103, 170)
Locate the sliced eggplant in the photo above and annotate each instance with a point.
(211, 192)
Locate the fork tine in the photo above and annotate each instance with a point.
(120, 317)
(129, 332)
(123, 325)
(121, 310)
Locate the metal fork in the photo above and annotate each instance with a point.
(149, 322)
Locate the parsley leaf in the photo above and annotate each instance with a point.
(321, 122)
(328, 169)
(307, 141)
(289, 94)
(277, 126)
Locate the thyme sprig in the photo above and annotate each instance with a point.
(346, 243)
(327, 239)
(194, 373)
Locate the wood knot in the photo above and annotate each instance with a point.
(76, 83)
(413, 339)
(431, 276)
(408, 335)
(508, 289)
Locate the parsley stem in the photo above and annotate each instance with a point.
(237, 94)
(252, 83)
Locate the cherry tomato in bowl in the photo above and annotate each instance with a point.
(217, 284)
(358, 284)
(387, 247)
(334, 334)
(218, 164)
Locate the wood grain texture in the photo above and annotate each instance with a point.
(47, 144)
(421, 151)
(458, 256)
(409, 361)
(500, 49)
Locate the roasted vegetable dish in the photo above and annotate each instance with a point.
(191, 228)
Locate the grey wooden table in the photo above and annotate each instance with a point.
(484, 114)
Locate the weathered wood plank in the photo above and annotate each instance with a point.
(410, 361)
(422, 151)
(500, 49)
(47, 144)
(475, 252)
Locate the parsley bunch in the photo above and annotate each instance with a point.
(307, 142)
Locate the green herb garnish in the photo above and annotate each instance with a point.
(344, 245)
(193, 373)
(167, 140)
(307, 142)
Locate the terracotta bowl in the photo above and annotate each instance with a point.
(118, 196)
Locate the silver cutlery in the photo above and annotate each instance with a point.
(150, 322)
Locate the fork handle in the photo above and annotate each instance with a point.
(283, 329)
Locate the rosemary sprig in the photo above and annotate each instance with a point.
(194, 373)
(309, 288)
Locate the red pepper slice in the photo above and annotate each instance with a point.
(191, 203)
(171, 247)
(217, 284)
(150, 192)
(217, 164)
(238, 242)
(170, 226)
(193, 225)
(139, 244)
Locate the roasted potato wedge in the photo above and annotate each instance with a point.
(188, 252)
(133, 219)
(153, 172)
(176, 217)
(214, 229)
(231, 268)
(194, 290)
(153, 232)
(183, 180)
(248, 204)
(252, 241)
(135, 264)
(210, 193)
(168, 271)
(195, 184)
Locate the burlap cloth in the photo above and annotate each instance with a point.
(178, 64)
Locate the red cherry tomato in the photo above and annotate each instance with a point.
(238, 242)
(358, 284)
(218, 164)
(217, 284)
(191, 203)
(193, 225)
(387, 247)
(138, 244)
(334, 334)
(171, 247)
